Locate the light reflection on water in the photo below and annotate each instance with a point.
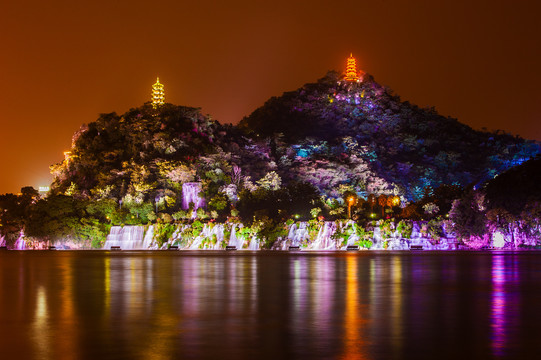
(504, 303)
(354, 322)
(164, 305)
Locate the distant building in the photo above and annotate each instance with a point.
(158, 94)
(351, 69)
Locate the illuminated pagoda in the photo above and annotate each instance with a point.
(351, 69)
(158, 94)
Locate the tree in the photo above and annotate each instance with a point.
(55, 217)
(14, 211)
(382, 201)
(469, 220)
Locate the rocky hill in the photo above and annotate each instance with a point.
(359, 134)
(337, 135)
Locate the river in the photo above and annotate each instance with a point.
(270, 305)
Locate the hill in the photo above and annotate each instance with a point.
(363, 136)
(299, 157)
(516, 190)
(339, 136)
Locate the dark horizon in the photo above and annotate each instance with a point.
(67, 63)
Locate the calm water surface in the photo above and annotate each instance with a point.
(243, 305)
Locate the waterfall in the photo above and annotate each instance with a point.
(417, 239)
(176, 237)
(298, 234)
(218, 231)
(235, 240)
(324, 240)
(254, 243)
(20, 244)
(190, 194)
(147, 241)
(415, 232)
(127, 237)
(377, 240)
(233, 237)
(353, 238)
(196, 244)
(212, 236)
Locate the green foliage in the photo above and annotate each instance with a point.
(314, 212)
(56, 217)
(404, 228)
(343, 232)
(313, 228)
(163, 232)
(365, 237)
(435, 230)
(269, 231)
(93, 231)
(387, 228)
(189, 233)
(219, 206)
(197, 227)
(227, 234)
(142, 212)
(364, 243)
(166, 218)
(202, 214)
(219, 202)
(103, 209)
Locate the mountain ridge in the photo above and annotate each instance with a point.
(334, 134)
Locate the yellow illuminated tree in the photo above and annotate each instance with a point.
(158, 94)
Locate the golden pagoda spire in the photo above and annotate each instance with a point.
(351, 69)
(158, 94)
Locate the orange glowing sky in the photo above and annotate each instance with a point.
(64, 62)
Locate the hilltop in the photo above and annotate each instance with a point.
(363, 135)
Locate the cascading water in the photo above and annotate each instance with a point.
(236, 240)
(147, 241)
(416, 230)
(419, 240)
(353, 238)
(20, 244)
(190, 194)
(298, 234)
(324, 240)
(254, 243)
(377, 241)
(127, 237)
(397, 243)
(212, 237)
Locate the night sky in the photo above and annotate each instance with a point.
(64, 62)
